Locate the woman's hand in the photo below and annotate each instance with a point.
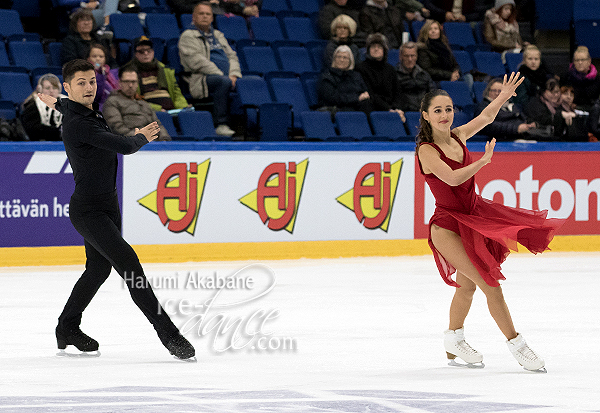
(489, 151)
(363, 96)
(510, 86)
(568, 117)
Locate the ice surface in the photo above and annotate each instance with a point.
(367, 333)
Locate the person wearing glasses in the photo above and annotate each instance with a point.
(583, 76)
(157, 83)
(125, 111)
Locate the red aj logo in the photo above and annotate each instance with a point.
(277, 195)
(178, 196)
(373, 194)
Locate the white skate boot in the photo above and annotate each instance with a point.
(525, 355)
(456, 346)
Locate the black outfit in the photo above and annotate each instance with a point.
(437, 59)
(413, 85)
(386, 21)
(538, 112)
(329, 12)
(75, 47)
(382, 83)
(340, 89)
(473, 10)
(32, 123)
(594, 120)
(586, 90)
(334, 44)
(94, 212)
(506, 124)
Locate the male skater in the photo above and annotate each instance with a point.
(94, 212)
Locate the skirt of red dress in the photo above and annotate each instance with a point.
(488, 234)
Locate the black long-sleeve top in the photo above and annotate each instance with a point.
(92, 148)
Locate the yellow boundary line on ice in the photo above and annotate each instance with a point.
(170, 253)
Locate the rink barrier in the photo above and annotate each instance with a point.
(258, 251)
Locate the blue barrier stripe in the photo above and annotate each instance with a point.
(314, 146)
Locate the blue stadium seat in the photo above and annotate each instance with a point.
(8, 110)
(11, 23)
(28, 54)
(41, 71)
(463, 58)
(553, 14)
(310, 82)
(318, 126)
(305, 6)
(126, 26)
(162, 26)
(460, 94)
(260, 59)
(300, 29)
(3, 56)
(353, 124)
(389, 124)
(415, 28)
(513, 61)
(252, 92)
(412, 122)
(586, 10)
(275, 120)
(393, 56)
(274, 5)
(587, 33)
(185, 21)
(233, 27)
(267, 29)
(167, 122)
(478, 89)
(55, 50)
(199, 125)
(15, 86)
(295, 59)
(489, 63)
(459, 34)
(290, 91)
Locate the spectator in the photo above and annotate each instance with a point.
(157, 82)
(380, 76)
(214, 66)
(125, 110)
(510, 123)
(577, 129)
(76, 45)
(501, 29)
(413, 81)
(380, 17)
(412, 9)
(435, 55)
(547, 111)
(332, 10)
(106, 80)
(101, 10)
(535, 76)
(41, 122)
(455, 11)
(584, 78)
(342, 88)
(243, 8)
(594, 122)
(343, 29)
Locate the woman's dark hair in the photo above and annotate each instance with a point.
(81, 14)
(551, 84)
(101, 47)
(77, 65)
(425, 132)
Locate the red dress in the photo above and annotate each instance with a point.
(488, 230)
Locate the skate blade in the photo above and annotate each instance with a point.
(541, 370)
(83, 354)
(454, 363)
(188, 360)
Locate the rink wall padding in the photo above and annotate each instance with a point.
(207, 201)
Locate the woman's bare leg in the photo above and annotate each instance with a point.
(450, 245)
(461, 302)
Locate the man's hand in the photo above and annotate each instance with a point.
(47, 99)
(150, 131)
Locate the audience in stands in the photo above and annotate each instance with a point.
(510, 124)
(40, 121)
(214, 66)
(341, 88)
(584, 78)
(547, 111)
(501, 29)
(102, 10)
(157, 82)
(413, 81)
(435, 55)
(577, 122)
(246, 8)
(593, 124)
(378, 16)
(456, 11)
(76, 45)
(106, 79)
(332, 10)
(343, 29)
(380, 76)
(535, 76)
(125, 110)
(412, 9)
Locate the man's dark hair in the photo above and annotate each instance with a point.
(77, 65)
(130, 67)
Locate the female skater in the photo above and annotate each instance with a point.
(469, 234)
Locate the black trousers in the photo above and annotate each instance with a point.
(98, 220)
